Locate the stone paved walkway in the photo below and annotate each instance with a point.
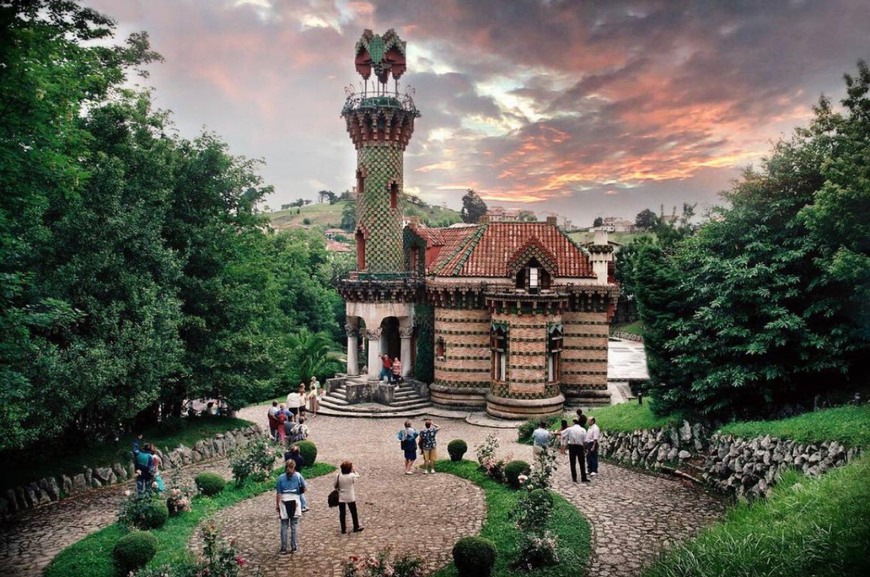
(633, 515)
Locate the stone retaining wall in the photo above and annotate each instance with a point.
(57, 487)
(626, 336)
(733, 465)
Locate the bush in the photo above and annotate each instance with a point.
(474, 556)
(209, 484)
(134, 550)
(456, 449)
(533, 511)
(513, 470)
(144, 511)
(255, 461)
(538, 551)
(524, 431)
(308, 450)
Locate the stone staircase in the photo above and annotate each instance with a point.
(407, 403)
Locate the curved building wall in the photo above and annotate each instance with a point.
(584, 356)
(462, 375)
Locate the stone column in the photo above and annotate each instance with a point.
(374, 338)
(352, 349)
(405, 355)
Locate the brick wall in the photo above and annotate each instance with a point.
(584, 357)
(466, 361)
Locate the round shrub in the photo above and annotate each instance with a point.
(134, 550)
(144, 511)
(513, 470)
(308, 450)
(209, 483)
(154, 516)
(457, 448)
(474, 556)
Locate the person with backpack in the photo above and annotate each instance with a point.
(407, 441)
(288, 491)
(144, 464)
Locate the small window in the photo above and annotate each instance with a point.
(440, 348)
(394, 195)
(498, 344)
(360, 183)
(360, 250)
(555, 339)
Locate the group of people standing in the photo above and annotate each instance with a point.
(410, 439)
(391, 369)
(580, 444)
(287, 420)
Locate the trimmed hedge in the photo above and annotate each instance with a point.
(513, 470)
(474, 556)
(308, 450)
(209, 484)
(457, 449)
(134, 550)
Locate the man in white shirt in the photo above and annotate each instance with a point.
(592, 436)
(576, 442)
(293, 403)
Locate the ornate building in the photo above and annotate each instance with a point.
(510, 316)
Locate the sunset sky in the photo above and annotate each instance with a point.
(581, 109)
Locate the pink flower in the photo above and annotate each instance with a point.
(240, 561)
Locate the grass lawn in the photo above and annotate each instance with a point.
(39, 464)
(635, 328)
(849, 425)
(92, 556)
(817, 527)
(568, 524)
(628, 417)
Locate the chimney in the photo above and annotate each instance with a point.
(554, 220)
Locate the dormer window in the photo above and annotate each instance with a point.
(533, 278)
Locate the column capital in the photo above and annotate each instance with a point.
(351, 330)
(373, 334)
(406, 332)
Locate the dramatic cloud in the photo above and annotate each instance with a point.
(578, 108)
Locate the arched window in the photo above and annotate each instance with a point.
(555, 337)
(360, 183)
(394, 195)
(499, 345)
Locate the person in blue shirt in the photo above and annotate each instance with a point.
(293, 454)
(540, 438)
(288, 491)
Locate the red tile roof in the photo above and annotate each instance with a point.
(488, 249)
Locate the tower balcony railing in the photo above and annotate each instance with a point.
(363, 102)
(381, 280)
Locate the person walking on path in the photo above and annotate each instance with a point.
(313, 400)
(281, 430)
(295, 455)
(576, 441)
(272, 416)
(288, 490)
(347, 496)
(407, 439)
(592, 436)
(540, 439)
(428, 444)
(293, 402)
(144, 470)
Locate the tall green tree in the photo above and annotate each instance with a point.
(473, 207)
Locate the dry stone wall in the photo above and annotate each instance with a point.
(54, 488)
(733, 465)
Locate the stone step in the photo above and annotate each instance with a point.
(378, 412)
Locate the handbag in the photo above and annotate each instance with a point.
(332, 498)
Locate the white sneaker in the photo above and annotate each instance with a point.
(593, 474)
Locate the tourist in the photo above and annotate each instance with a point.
(312, 396)
(295, 455)
(298, 431)
(540, 439)
(407, 437)
(563, 438)
(347, 496)
(302, 398)
(427, 445)
(576, 441)
(293, 402)
(272, 416)
(281, 419)
(386, 367)
(144, 464)
(581, 417)
(137, 444)
(156, 463)
(592, 436)
(288, 490)
(397, 371)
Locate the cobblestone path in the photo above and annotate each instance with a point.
(634, 515)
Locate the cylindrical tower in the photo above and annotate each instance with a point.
(380, 123)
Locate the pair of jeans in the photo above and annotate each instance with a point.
(342, 512)
(576, 454)
(592, 461)
(293, 523)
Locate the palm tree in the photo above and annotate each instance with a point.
(308, 354)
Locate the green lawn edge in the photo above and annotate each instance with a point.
(806, 526)
(92, 556)
(849, 424)
(38, 465)
(572, 529)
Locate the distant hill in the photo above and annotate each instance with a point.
(329, 215)
(582, 236)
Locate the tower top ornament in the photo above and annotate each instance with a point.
(385, 55)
